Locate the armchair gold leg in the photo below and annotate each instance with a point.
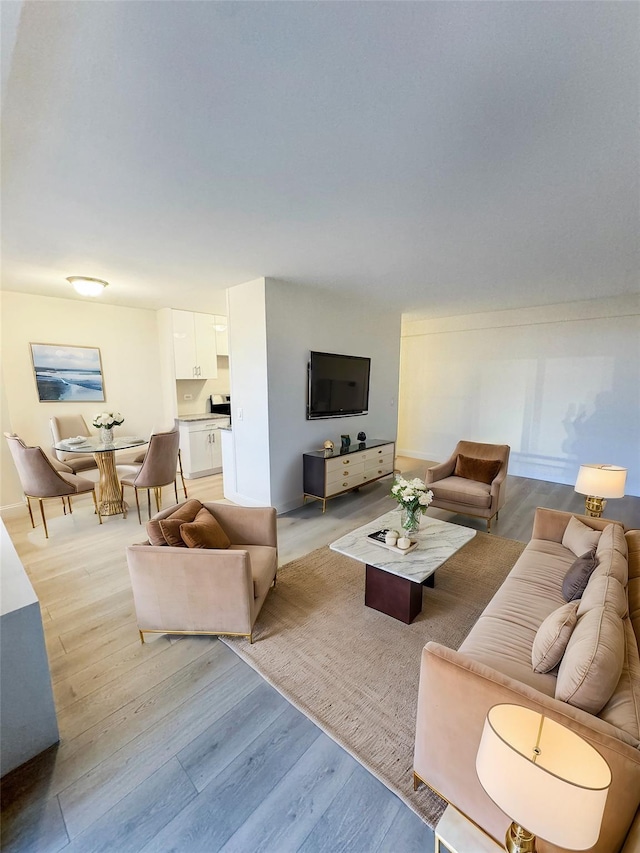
(416, 781)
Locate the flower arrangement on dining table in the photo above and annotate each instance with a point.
(414, 498)
(107, 420)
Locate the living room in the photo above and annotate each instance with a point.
(489, 271)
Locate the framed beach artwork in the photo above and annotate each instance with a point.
(67, 373)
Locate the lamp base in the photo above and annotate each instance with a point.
(594, 506)
(519, 840)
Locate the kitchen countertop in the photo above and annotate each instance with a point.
(205, 416)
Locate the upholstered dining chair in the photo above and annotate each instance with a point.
(70, 426)
(143, 453)
(157, 469)
(43, 478)
(472, 481)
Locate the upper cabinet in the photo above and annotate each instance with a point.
(194, 345)
(222, 335)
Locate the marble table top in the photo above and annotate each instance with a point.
(437, 541)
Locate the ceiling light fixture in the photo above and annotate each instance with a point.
(87, 286)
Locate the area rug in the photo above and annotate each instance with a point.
(355, 671)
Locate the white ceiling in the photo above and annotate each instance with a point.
(449, 157)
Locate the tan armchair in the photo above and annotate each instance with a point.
(70, 426)
(465, 495)
(206, 591)
(42, 478)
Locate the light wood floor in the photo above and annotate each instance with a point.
(177, 745)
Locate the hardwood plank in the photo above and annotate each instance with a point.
(222, 807)
(407, 833)
(97, 791)
(288, 812)
(208, 754)
(38, 828)
(357, 819)
(139, 816)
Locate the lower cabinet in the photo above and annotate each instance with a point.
(328, 476)
(200, 447)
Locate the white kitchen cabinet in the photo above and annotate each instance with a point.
(194, 345)
(222, 335)
(200, 447)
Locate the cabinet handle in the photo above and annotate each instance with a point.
(345, 484)
(345, 461)
(379, 451)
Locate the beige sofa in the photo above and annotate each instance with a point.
(493, 665)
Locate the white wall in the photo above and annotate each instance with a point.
(560, 384)
(273, 327)
(128, 343)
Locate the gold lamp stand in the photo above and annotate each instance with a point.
(594, 506)
(519, 840)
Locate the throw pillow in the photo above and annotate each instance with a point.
(481, 470)
(579, 537)
(592, 663)
(186, 512)
(577, 577)
(552, 637)
(204, 532)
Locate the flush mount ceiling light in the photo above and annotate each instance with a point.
(87, 286)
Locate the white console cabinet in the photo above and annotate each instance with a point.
(194, 345)
(200, 447)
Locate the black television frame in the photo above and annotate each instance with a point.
(338, 413)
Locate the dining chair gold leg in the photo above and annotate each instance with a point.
(69, 502)
(30, 513)
(44, 520)
(64, 506)
(175, 486)
(95, 503)
(148, 503)
(138, 505)
(184, 488)
(158, 493)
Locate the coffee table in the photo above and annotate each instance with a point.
(394, 581)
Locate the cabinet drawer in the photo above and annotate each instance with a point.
(343, 483)
(354, 474)
(375, 462)
(377, 452)
(379, 470)
(348, 463)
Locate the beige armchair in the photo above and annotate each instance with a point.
(42, 478)
(205, 591)
(70, 426)
(480, 495)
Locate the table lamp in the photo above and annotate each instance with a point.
(544, 777)
(598, 482)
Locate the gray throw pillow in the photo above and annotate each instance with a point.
(578, 575)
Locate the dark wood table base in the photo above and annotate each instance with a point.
(393, 595)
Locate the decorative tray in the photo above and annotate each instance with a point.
(378, 539)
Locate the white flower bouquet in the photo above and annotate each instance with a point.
(107, 420)
(414, 498)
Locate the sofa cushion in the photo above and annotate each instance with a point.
(459, 490)
(612, 554)
(186, 512)
(553, 636)
(579, 538)
(623, 709)
(482, 470)
(204, 532)
(593, 661)
(263, 566)
(604, 590)
(577, 577)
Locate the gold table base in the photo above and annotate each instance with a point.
(111, 502)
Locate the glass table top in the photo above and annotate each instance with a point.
(93, 444)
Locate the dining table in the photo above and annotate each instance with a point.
(110, 500)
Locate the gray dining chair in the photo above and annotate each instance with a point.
(43, 478)
(157, 469)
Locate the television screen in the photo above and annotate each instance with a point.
(338, 385)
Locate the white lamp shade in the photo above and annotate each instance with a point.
(602, 481)
(558, 794)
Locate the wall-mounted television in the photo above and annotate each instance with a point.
(338, 385)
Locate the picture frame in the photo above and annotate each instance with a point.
(66, 373)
